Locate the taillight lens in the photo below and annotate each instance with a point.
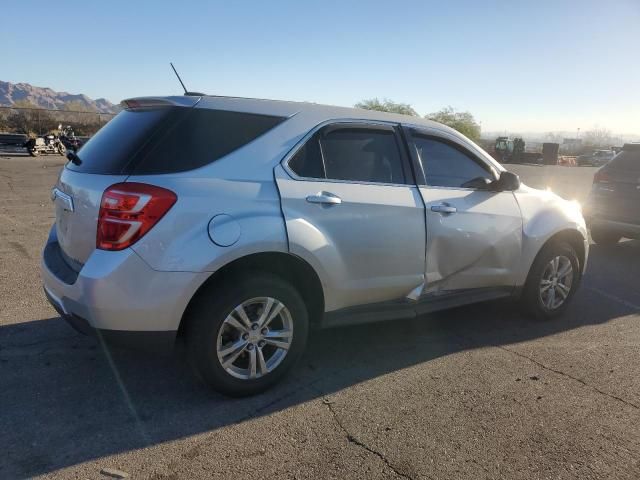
(601, 177)
(128, 211)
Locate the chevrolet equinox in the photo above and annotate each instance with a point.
(238, 224)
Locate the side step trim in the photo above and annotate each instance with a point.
(407, 309)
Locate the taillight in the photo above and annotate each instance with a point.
(128, 211)
(601, 177)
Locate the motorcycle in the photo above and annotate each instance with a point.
(47, 144)
(69, 139)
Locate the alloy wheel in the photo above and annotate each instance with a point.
(254, 338)
(556, 282)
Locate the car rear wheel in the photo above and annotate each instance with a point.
(604, 237)
(244, 337)
(553, 279)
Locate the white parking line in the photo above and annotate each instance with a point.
(614, 298)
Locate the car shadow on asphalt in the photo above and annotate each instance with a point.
(65, 399)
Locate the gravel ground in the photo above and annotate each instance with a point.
(477, 392)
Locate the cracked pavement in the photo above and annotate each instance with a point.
(477, 392)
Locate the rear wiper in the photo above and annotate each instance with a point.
(73, 157)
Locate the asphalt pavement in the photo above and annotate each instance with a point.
(477, 392)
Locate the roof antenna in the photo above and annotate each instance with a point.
(181, 83)
(179, 79)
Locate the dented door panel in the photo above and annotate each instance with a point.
(476, 242)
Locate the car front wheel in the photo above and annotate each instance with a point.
(553, 280)
(244, 337)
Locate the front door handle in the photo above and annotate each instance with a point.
(325, 198)
(444, 208)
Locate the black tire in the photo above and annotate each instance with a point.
(62, 150)
(208, 313)
(531, 300)
(605, 237)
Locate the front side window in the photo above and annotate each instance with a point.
(351, 154)
(446, 165)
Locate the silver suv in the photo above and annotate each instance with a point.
(238, 224)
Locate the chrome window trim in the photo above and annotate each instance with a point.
(439, 187)
(353, 121)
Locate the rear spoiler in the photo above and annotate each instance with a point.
(154, 102)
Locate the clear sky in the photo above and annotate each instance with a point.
(515, 65)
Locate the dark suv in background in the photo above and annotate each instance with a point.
(613, 207)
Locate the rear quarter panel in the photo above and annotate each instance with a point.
(181, 240)
(240, 185)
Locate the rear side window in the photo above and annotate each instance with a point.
(362, 156)
(351, 154)
(446, 165)
(169, 139)
(201, 137)
(307, 162)
(627, 160)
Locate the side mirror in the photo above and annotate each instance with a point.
(508, 182)
(478, 183)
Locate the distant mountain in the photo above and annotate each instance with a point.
(47, 98)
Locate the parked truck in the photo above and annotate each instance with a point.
(512, 150)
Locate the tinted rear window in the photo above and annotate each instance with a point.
(114, 146)
(169, 139)
(626, 160)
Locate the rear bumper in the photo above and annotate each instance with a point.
(150, 341)
(118, 297)
(624, 228)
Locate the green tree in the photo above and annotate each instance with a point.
(24, 120)
(29, 118)
(386, 105)
(463, 122)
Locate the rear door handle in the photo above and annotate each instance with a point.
(325, 198)
(444, 208)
